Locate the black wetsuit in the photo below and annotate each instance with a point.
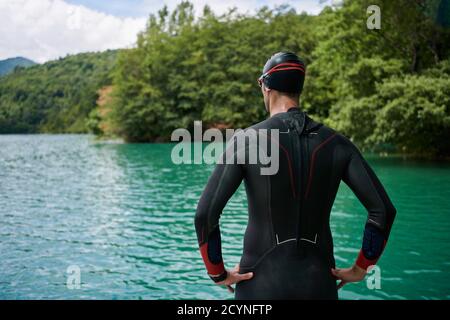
(288, 243)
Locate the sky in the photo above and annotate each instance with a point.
(44, 30)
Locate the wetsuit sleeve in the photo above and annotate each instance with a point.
(381, 213)
(221, 185)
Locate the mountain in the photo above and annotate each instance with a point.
(8, 65)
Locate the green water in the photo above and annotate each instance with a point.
(124, 214)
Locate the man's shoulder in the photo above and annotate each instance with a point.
(327, 132)
(339, 138)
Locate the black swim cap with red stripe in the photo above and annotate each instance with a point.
(284, 72)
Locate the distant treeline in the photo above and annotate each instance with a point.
(386, 89)
(56, 96)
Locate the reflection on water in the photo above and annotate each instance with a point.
(124, 214)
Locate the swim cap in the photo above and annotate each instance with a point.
(285, 72)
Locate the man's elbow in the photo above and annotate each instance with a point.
(201, 213)
(391, 211)
(201, 222)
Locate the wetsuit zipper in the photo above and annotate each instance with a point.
(304, 167)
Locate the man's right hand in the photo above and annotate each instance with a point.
(233, 277)
(353, 274)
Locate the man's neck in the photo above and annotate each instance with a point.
(283, 107)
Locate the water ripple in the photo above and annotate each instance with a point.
(124, 214)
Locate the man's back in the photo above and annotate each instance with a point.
(284, 245)
(288, 244)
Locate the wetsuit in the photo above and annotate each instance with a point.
(288, 243)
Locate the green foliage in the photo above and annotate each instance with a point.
(187, 69)
(54, 97)
(385, 87)
(410, 112)
(414, 114)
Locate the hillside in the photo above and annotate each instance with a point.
(8, 65)
(56, 96)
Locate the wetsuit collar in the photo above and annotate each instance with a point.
(294, 118)
(306, 122)
(311, 125)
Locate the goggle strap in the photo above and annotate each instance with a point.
(284, 66)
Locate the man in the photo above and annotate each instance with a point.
(288, 248)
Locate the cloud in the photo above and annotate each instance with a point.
(43, 30)
(47, 29)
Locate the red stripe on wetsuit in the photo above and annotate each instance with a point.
(365, 263)
(212, 269)
(361, 261)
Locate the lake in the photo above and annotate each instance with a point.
(123, 214)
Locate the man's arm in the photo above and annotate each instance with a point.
(221, 185)
(381, 213)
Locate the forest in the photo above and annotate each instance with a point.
(55, 97)
(386, 89)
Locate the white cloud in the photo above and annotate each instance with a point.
(43, 30)
(47, 29)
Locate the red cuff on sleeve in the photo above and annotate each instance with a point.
(212, 269)
(363, 262)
